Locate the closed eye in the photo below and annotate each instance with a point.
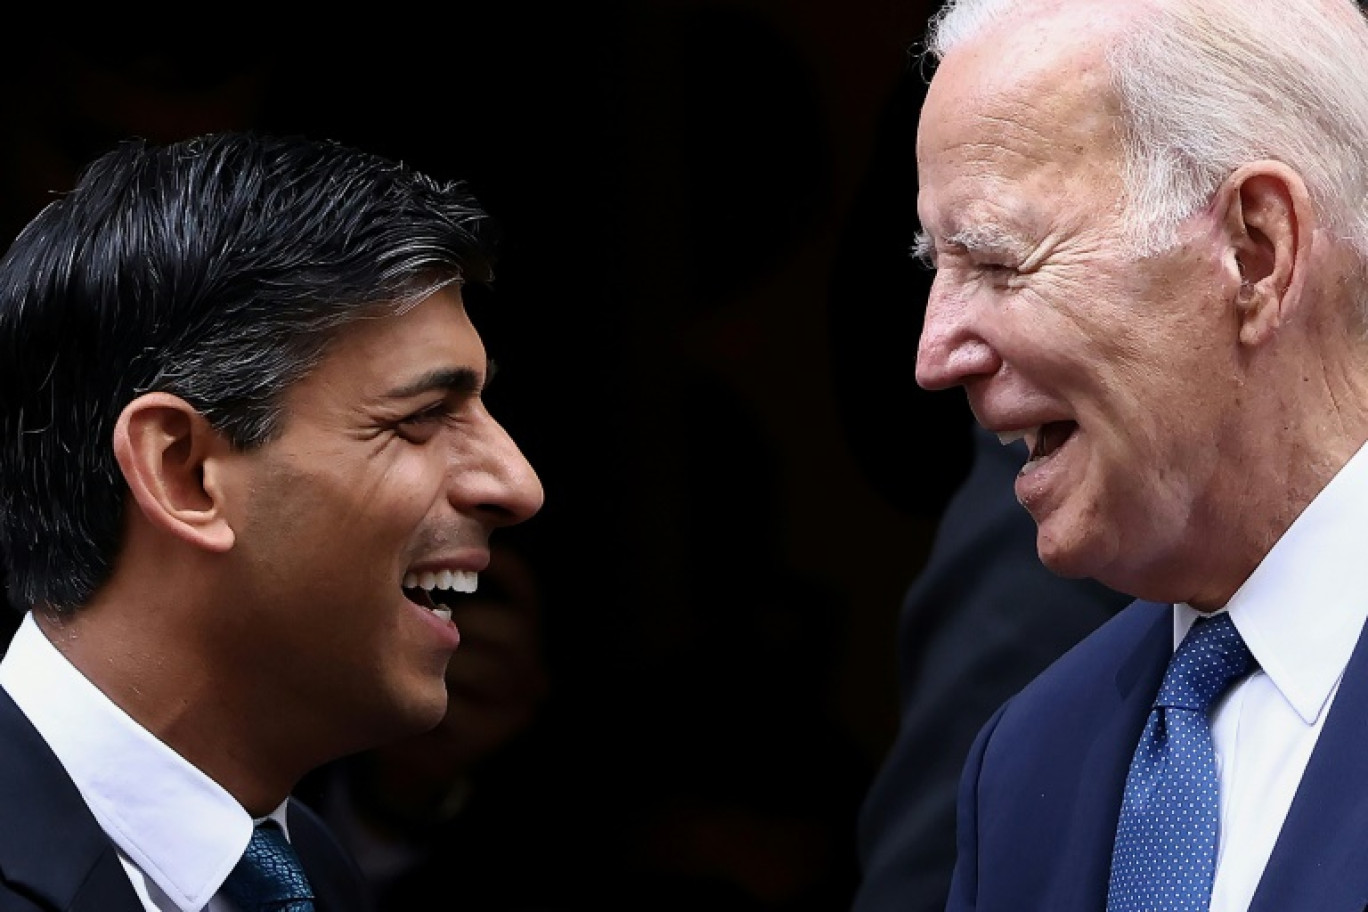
(422, 425)
(998, 276)
(431, 413)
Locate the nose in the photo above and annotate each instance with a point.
(501, 485)
(952, 352)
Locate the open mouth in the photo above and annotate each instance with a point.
(438, 591)
(1043, 441)
(1050, 438)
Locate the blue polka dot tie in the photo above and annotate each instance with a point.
(269, 877)
(1165, 853)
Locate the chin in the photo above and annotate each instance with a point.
(1081, 535)
(428, 713)
(1062, 565)
(1072, 555)
(415, 711)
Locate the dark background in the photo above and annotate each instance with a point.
(706, 321)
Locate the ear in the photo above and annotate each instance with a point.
(165, 449)
(1268, 224)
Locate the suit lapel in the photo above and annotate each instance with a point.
(60, 853)
(336, 880)
(1320, 860)
(1107, 764)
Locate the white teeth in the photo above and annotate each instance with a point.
(443, 613)
(455, 580)
(1010, 437)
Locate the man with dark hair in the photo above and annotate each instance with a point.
(245, 468)
(1149, 224)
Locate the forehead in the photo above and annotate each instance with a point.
(1018, 119)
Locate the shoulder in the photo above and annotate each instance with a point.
(1123, 650)
(1132, 624)
(1104, 651)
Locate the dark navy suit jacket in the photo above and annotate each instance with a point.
(1041, 791)
(54, 856)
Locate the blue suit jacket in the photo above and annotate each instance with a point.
(1041, 791)
(54, 856)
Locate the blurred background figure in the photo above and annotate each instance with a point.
(979, 622)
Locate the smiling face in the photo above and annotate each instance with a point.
(388, 468)
(1121, 371)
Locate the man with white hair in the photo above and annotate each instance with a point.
(1149, 223)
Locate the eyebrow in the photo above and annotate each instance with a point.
(460, 380)
(923, 248)
(985, 238)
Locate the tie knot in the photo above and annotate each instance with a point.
(1211, 657)
(269, 878)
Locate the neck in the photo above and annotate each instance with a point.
(150, 662)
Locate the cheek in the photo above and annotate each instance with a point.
(1137, 346)
(411, 483)
(351, 511)
(399, 480)
(1061, 338)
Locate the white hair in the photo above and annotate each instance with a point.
(1206, 86)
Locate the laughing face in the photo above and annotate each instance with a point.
(1115, 368)
(363, 518)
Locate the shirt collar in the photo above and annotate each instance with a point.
(1302, 609)
(178, 826)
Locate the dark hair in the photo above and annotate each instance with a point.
(216, 269)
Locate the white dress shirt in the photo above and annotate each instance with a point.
(178, 832)
(1300, 613)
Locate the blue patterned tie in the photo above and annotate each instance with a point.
(1165, 854)
(269, 877)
